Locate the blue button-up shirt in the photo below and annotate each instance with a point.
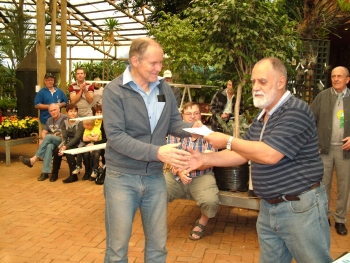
(154, 108)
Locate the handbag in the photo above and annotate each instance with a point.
(101, 174)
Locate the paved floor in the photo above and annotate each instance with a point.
(56, 223)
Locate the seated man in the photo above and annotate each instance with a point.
(50, 139)
(200, 184)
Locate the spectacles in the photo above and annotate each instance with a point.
(192, 113)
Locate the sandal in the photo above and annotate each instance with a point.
(200, 234)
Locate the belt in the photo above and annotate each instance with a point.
(286, 198)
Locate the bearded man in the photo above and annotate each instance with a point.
(287, 170)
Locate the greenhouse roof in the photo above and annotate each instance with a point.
(86, 22)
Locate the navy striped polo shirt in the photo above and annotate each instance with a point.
(291, 130)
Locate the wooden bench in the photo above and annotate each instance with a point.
(9, 143)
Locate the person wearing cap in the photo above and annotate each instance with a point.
(168, 78)
(47, 95)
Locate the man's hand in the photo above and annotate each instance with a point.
(194, 163)
(217, 139)
(185, 179)
(173, 156)
(346, 144)
(61, 150)
(197, 124)
(225, 116)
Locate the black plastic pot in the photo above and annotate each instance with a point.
(234, 179)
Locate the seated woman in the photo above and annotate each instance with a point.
(94, 134)
(72, 132)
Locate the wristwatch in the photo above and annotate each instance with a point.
(228, 145)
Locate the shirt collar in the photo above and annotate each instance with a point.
(282, 100)
(127, 77)
(344, 92)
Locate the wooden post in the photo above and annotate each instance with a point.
(40, 46)
(53, 8)
(64, 45)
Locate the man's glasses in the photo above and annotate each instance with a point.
(192, 113)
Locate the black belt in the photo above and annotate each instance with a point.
(290, 197)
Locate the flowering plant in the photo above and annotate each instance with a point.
(6, 127)
(32, 124)
(12, 124)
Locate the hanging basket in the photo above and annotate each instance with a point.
(234, 179)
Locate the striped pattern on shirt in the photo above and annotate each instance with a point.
(290, 130)
(199, 145)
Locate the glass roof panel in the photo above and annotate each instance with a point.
(86, 23)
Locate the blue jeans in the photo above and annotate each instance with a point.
(295, 229)
(124, 194)
(45, 150)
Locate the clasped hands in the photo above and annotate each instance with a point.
(186, 161)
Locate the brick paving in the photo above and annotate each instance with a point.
(55, 223)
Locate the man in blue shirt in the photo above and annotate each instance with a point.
(47, 95)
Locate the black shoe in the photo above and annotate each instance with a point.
(72, 178)
(86, 177)
(26, 161)
(43, 177)
(53, 177)
(341, 229)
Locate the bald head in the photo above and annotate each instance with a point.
(340, 77)
(54, 110)
(277, 65)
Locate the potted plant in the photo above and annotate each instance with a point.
(8, 104)
(234, 178)
(6, 128)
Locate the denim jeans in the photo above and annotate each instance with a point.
(124, 194)
(45, 150)
(295, 229)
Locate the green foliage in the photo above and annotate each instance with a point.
(111, 24)
(8, 103)
(228, 126)
(100, 69)
(182, 42)
(344, 5)
(240, 33)
(167, 6)
(7, 81)
(16, 39)
(318, 22)
(288, 7)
